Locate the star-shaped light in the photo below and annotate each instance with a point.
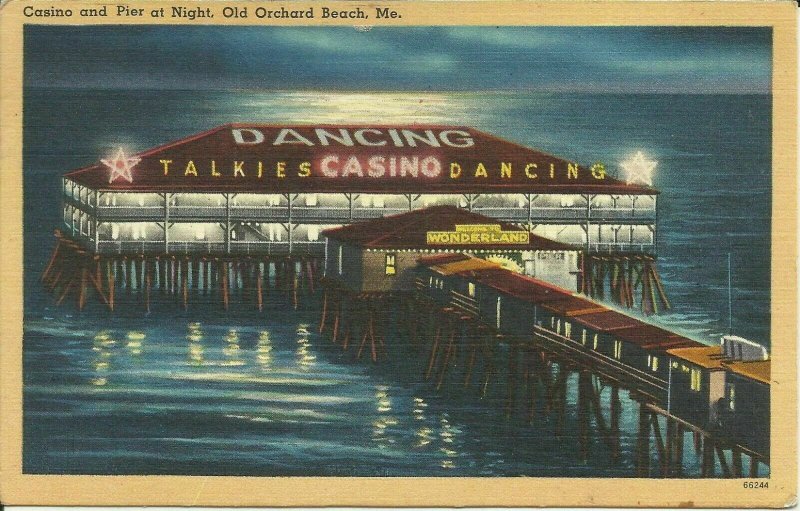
(121, 166)
(638, 169)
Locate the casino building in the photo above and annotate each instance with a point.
(266, 189)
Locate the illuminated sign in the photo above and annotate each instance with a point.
(376, 166)
(121, 166)
(478, 234)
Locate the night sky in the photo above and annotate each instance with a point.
(596, 59)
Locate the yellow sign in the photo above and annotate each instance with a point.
(478, 234)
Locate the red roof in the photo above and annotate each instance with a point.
(520, 286)
(409, 230)
(322, 158)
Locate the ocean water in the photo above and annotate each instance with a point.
(205, 392)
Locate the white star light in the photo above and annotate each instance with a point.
(639, 170)
(121, 166)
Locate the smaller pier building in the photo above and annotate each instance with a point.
(382, 255)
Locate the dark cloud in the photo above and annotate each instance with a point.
(657, 59)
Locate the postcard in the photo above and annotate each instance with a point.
(398, 254)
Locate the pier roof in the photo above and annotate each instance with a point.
(708, 357)
(245, 158)
(758, 370)
(409, 231)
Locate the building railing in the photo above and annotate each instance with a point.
(609, 213)
(320, 212)
(130, 246)
(362, 213)
(215, 212)
(128, 212)
(610, 247)
(503, 213)
(547, 212)
(280, 213)
(204, 247)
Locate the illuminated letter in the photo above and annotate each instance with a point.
(237, 168)
(361, 139)
(409, 166)
(305, 169)
(598, 170)
(343, 138)
(325, 165)
(455, 170)
(528, 168)
(191, 170)
(166, 165)
(260, 169)
(257, 136)
(572, 171)
(352, 166)
(280, 169)
(298, 138)
(398, 142)
(411, 138)
(464, 141)
(431, 166)
(213, 168)
(505, 170)
(480, 171)
(376, 166)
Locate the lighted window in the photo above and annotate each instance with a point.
(391, 264)
(596, 341)
(652, 362)
(731, 397)
(471, 289)
(340, 259)
(618, 349)
(696, 382)
(567, 329)
(430, 282)
(583, 337)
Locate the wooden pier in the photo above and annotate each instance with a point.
(460, 352)
(72, 271)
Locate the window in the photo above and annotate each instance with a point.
(567, 329)
(696, 383)
(430, 282)
(596, 341)
(618, 350)
(471, 289)
(498, 313)
(731, 397)
(391, 264)
(652, 362)
(340, 259)
(583, 337)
